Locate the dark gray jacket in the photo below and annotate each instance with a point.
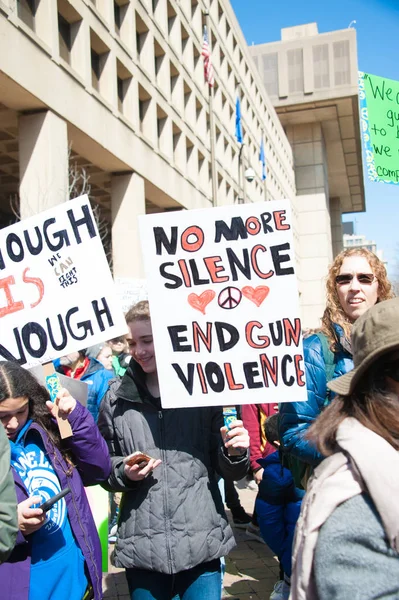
(174, 519)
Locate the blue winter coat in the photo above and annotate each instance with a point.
(296, 417)
(277, 506)
(97, 379)
(93, 465)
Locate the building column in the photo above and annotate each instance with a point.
(336, 226)
(43, 162)
(127, 202)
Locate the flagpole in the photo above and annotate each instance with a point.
(211, 122)
(265, 179)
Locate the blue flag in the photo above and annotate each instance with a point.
(262, 159)
(238, 121)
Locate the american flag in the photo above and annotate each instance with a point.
(208, 69)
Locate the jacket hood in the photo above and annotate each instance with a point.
(133, 387)
(93, 367)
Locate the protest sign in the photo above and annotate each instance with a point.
(224, 305)
(379, 112)
(56, 290)
(130, 291)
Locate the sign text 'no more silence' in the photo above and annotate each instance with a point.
(224, 305)
(56, 289)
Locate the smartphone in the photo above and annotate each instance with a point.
(51, 501)
(137, 458)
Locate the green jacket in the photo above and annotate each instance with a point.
(8, 500)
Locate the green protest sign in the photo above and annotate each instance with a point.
(379, 107)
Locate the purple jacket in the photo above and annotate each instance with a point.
(93, 465)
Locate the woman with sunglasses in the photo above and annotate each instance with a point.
(347, 536)
(356, 281)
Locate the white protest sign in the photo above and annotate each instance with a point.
(224, 305)
(130, 291)
(56, 290)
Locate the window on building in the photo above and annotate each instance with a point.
(124, 79)
(141, 34)
(95, 70)
(144, 105)
(171, 17)
(321, 67)
(26, 11)
(162, 136)
(342, 74)
(64, 38)
(69, 21)
(295, 70)
(99, 56)
(270, 72)
(185, 39)
(159, 57)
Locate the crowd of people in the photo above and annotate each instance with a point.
(325, 469)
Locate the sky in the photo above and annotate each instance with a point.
(377, 29)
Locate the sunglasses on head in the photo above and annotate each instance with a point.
(363, 278)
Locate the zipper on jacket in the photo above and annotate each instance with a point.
(165, 492)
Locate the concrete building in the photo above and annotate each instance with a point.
(120, 84)
(115, 90)
(353, 240)
(311, 79)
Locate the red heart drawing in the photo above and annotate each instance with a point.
(256, 295)
(201, 302)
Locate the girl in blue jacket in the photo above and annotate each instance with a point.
(57, 554)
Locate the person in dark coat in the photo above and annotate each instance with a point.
(278, 505)
(57, 555)
(356, 281)
(172, 527)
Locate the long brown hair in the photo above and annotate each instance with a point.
(372, 403)
(16, 382)
(334, 313)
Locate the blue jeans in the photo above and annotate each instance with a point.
(202, 582)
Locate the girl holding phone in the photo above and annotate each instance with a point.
(172, 528)
(57, 553)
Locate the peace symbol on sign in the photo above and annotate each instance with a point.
(229, 298)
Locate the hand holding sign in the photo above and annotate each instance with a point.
(63, 404)
(235, 436)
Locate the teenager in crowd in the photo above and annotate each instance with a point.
(172, 528)
(57, 553)
(120, 355)
(347, 537)
(102, 353)
(80, 366)
(357, 280)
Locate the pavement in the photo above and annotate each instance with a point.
(251, 568)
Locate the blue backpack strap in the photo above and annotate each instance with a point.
(329, 359)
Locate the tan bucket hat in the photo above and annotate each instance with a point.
(375, 333)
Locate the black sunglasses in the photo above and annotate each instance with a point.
(392, 370)
(363, 278)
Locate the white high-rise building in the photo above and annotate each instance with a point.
(116, 89)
